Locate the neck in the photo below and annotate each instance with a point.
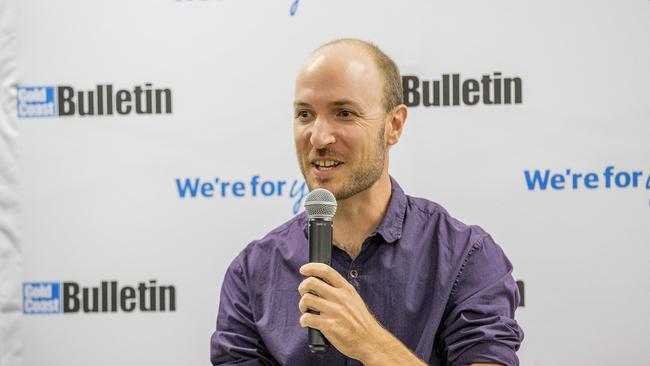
(358, 216)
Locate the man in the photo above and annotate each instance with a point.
(409, 285)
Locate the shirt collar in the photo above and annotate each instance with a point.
(390, 227)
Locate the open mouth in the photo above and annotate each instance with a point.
(324, 165)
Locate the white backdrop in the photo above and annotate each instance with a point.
(101, 198)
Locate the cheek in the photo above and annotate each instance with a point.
(357, 143)
(301, 139)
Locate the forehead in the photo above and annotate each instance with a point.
(339, 73)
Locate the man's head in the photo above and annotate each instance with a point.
(348, 110)
(392, 80)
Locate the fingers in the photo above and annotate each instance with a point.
(312, 302)
(322, 291)
(316, 286)
(313, 321)
(325, 272)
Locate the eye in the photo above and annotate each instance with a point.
(303, 115)
(346, 114)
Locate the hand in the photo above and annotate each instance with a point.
(344, 318)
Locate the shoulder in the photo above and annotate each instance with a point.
(450, 232)
(282, 243)
(466, 255)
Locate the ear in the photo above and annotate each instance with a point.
(395, 124)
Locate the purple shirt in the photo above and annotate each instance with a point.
(442, 287)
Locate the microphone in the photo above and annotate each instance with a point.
(320, 205)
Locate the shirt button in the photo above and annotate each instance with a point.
(354, 273)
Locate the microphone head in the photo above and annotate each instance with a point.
(320, 204)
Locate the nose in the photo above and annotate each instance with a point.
(322, 133)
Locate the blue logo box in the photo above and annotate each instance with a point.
(41, 297)
(36, 101)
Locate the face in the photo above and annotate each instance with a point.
(339, 122)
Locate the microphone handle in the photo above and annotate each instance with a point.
(320, 251)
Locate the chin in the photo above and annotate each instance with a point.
(328, 184)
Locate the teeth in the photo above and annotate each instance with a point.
(325, 163)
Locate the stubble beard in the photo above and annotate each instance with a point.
(363, 177)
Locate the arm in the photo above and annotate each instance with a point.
(236, 340)
(479, 323)
(346, 321)
(390, 351)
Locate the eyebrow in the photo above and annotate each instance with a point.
(336, 103)
(344, 102)
(301, 104)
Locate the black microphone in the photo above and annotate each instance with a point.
(320, 205)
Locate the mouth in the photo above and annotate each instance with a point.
(323, 165)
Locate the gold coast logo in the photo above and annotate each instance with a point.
(107, 297)
(103, 100)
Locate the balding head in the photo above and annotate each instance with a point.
(387, 70)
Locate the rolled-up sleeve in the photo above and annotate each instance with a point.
(479, 325)
(236, 340)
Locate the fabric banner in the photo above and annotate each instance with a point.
(145, 143)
